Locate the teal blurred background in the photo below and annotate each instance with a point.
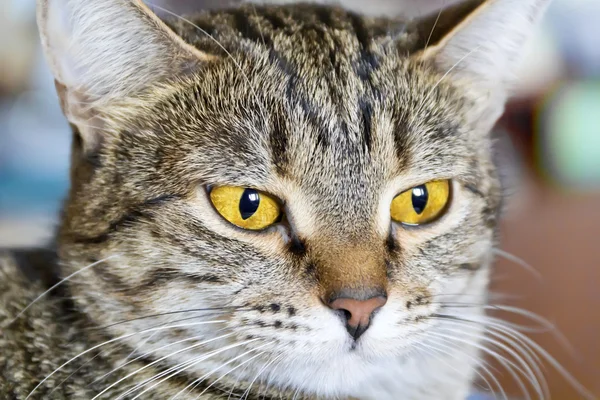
(548, 142)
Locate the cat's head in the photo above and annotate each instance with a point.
(321, 181)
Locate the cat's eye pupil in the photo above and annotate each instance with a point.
(420, 196)
(249, 203)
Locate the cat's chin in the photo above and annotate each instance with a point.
(357, 374)
(377, 366)
(346, 375)
(352, 369)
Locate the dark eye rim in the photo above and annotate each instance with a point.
(443, 212)
(282, 217)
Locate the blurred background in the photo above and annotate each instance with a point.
(548, 144)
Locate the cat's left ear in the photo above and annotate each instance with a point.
(103, 51)
(481, 41)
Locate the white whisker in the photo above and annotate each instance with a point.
(296, 393)
(187, 365)
(60, 283)
(231, 370)
(435, 25)
(99, 355)
(158, 361)
(479, 363)
(259, 28)
(112, 341)
(199, 380)
(237, 64)
(452, 69)
(526, 341)
(247, 392)
(550, 327)
(519, 261)
(531, 370)
(142, 356)
(506, 363)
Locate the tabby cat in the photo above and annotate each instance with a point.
(266, 202)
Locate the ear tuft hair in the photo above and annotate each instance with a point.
(487, 43)
(103, 50)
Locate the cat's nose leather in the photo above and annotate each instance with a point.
(358, 313)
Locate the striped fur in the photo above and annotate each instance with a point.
(329, 111)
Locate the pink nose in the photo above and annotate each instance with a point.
(357, 312)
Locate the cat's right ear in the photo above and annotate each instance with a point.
(481, 43)
(101, 51)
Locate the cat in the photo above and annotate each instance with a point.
(284, 201)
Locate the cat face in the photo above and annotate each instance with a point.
(323, 117)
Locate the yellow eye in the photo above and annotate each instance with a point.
(244, 207)
(421, 204)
